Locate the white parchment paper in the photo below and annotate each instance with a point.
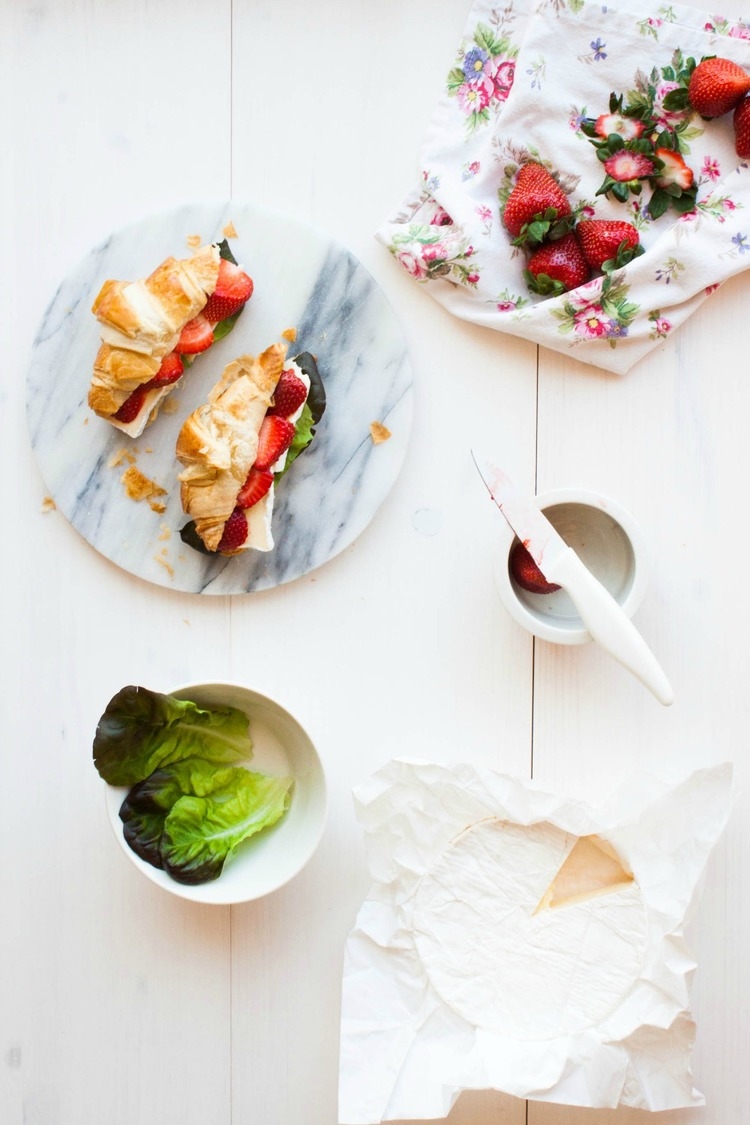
(455, 979)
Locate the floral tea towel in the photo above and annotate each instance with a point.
(548, 86)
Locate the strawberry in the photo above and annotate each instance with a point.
(675, 170)
(275, 437)
(716, 86)
(629, 128)
(537, 205)
(235, 533)
(233, 290)
(254, 488)
(196, 336)
(526, 573)
(625, 166)
(611, 242)
(170, 371)
(289, 395)
(741, 122)
(557, 266)
(132, 405)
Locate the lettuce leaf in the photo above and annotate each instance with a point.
(145, 808)
(202, 832)
(142, 730)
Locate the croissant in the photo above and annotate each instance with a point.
(218, 443)
(148, 325)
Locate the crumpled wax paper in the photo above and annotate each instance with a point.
(455, 978)
(523, 78)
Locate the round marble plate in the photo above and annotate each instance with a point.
(303, 280)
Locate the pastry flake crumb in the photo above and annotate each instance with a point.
(86, 421)
(170, 406)
(48, 504)
(229, 230)
(379, 432)
(193, 241)
(289, 334)
(139, 487)
(166, 533)
(117, 458)
(167, 566)
(157, 506)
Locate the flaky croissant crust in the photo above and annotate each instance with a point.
(218, 442)
(141, 322)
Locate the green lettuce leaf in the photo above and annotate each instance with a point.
(145, 808)
(201, 833)
(142, 730)
(303, 435)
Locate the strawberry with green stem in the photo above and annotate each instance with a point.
(557, 267)
(537, 207)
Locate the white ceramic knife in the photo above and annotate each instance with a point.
(603, 617)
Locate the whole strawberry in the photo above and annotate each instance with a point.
(741, 121)
(608, 243)
(537, 206)
(716, 86)
(557, 267)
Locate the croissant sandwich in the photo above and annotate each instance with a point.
(152, 329)
(258, 418)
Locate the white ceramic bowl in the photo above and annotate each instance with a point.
(270, 859)
(606, 538)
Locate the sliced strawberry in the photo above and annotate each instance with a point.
(527, 574)
(196, 336)
(233, 289)
(274, 438)
(289, 395)
(625, 166)
(132, 406)
(170, 371)
(235, 532)
(675, 170)
(255, 488)
(626, 127)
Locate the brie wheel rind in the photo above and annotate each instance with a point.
(141, 322)
(506, 965)
(218, 442)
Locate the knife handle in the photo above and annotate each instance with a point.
(608, 623)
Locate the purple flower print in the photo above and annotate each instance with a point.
(740, 241)
(598, 48)
(475, 63)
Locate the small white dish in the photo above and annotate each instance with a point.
(608, 541)
(268, 860)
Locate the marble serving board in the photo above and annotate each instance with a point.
(303, 280)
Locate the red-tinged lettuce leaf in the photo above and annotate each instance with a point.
(142, 730)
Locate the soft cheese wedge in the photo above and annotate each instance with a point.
(591, 868)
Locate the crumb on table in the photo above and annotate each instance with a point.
(139, 487)
(229, 230)
(379, 432)
(289, 334)
(193, 241)
(48, 504)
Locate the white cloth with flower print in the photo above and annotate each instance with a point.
(518, 89)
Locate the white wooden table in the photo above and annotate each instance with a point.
(119, 1003)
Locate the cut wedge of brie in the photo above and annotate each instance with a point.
(591, 868)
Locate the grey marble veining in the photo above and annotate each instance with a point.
(330, 494)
